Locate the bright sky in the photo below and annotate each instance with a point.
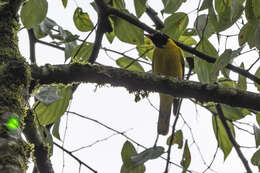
(116, 108)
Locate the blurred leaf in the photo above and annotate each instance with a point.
(148, 154)
(48, 140)
(203, 68)
(44, 28)
(221, 135)
(227, 56)
(131, 64)
(83, 54)
(146, 49)
(171, 6)
(242, 79)
(248, 33)
(256, 8)
(228, 13)
(189, 41)
(82, 20)
(190, 32)
(33, 12)
(69, 48)
(55, 129)
(127, 32)
(256, 158)
(49, 114)
(257, 135)
(249, 9)
(257, 74)
(204, 26)
(178, 139)
(48, 95)
(175, 25)
(257, 116)
(64, 3)
(232, 113)
(140, 7)
(186, 157)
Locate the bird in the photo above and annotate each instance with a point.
(167, 60)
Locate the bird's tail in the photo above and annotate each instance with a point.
(164, 114)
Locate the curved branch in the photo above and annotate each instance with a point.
(136, 81)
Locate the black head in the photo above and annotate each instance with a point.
(158, 39)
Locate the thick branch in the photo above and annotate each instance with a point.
(136, 81)
(232, 140)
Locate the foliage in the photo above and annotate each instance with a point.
(213, 20)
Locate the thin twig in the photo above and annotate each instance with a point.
(232, 139)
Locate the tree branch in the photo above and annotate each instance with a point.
(136, 81)
(232, 140)
(153, 16)
(32, 134)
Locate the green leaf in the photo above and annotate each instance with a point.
(137, 169)
(206, 4)
(175, 25)
(171, 6)
(257, 135)
(178, 139)
(49, 114)
(83, 54)
(33, 12)
(257, 74)
(221, 135)
(55, 129)
(249, 9)
(131, 64)
(148, 154)
(232, 113)
(48, 95)
(64, 3)
(127, 32)
(256, 158)
(82, 20)
(241, 84)
(187, 40)
(127, 152)
(186, 157)
(69, 48)
(228, 13)
(227, 56)
(203, 68)
(146, 49)
(190, 32)
(256, 8)
(48, 140)
(257, 116)
(119, 4)
(111, 35)
(204, 26)
(140, 7)
(248, 33)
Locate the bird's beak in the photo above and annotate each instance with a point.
(148, 36)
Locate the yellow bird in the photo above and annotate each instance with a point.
(168, 60)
